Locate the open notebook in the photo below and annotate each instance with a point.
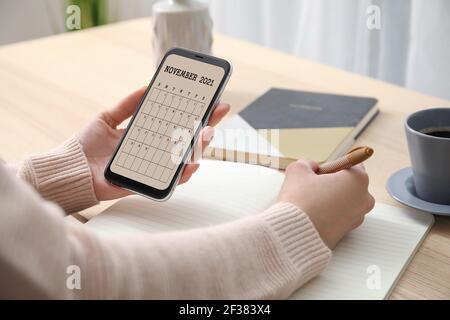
(223, 191)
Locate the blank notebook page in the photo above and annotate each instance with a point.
(365, 265)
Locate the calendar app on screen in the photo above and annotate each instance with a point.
(167, 120)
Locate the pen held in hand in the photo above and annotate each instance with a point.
(353, 157)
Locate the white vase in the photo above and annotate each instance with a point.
(180, 23)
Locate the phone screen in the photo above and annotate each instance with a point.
(169, 116)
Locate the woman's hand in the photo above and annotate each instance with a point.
(101, 136)
(336, 203)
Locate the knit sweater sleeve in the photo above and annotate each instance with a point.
(61, 175)
(265, 256)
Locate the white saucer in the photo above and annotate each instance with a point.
(401, 187)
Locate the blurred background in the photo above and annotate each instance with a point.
(409, 45)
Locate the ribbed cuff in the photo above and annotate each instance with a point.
(298, 239)
(62, 176)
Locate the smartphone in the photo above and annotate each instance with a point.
(163, 131)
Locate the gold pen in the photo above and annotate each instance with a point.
(353, 157)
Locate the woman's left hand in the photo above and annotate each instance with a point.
(101, 136)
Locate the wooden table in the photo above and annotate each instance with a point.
(50, 87)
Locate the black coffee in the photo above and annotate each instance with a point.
(437, 132)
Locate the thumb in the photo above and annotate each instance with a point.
(302, 167)
(308, 165)
(313, 165)
(124, 109)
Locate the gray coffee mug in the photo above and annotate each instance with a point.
(430, 155)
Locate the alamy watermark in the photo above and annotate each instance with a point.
(373, 21)
(73, 21)
(73, 281)
(373, 281)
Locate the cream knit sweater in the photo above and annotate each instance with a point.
(265, 256)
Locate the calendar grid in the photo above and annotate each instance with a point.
(149, 148)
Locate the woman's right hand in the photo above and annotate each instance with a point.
(336, 203)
